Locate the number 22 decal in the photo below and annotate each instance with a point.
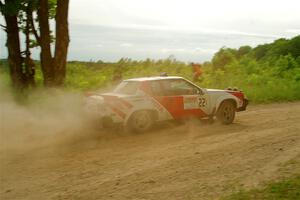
(201, 102)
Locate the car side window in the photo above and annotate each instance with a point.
(179, 87)
(156, 88)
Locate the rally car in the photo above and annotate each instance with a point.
(140, 102)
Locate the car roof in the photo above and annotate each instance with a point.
(154, 78)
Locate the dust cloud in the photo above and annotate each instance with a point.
(47, 117)
(55, 117)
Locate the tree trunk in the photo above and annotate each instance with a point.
(29, 64)
(14, 53)
(61, 42)
(45, 41)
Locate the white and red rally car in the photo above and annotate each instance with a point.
(140, 102)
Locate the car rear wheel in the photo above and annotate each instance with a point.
(226, 112)
(141, 121)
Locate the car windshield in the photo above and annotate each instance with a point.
(127, 87)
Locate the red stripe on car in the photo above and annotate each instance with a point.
(117, 111)
(110, 98)
(126, 103)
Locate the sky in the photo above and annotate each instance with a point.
(190, 30)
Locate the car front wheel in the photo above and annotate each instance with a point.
(226, 112)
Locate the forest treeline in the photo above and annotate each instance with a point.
(266, 73)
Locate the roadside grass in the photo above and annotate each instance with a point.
(287, 189)
(261, 85)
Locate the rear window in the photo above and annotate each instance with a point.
(127, 87)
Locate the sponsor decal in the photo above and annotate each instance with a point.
(202, 102)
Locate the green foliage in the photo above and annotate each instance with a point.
(88, 75)
(260, 81)
(4, 77)
(268, 79)
(243, 50)
(284, 190)
(280, 47)
(52, 8)
(11, 7)
(260, 51)
(19, 8)
(223, 57)
(269, 72)
(83, 76)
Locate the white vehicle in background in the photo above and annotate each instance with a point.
(140, 102)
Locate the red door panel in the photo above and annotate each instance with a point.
(174, 104)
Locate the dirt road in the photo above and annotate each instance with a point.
(191, 161)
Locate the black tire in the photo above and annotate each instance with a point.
(226, 112)
(141, 121)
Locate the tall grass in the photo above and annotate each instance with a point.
(261, 82)
(288, 189)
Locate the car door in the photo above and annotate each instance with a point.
(172, 103)
(196, 104)
(181, 98)
(195, 101)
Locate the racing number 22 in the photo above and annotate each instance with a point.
(201, 102)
